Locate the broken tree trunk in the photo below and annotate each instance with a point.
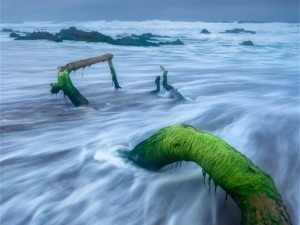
(250, 187)
(65, 84)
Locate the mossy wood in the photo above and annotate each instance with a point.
(65, 84)
(250, 187)
(165, 79)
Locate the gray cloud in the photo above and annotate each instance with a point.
(187, 10)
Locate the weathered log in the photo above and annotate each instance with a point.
(73, 66)
(65, 84)
(250, 187)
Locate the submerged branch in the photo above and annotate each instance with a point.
(65, 84)
(165, 79)
(173, 93)
(157, 83)
(251, 188)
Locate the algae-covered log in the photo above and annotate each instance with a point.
(173, 93)
(251, 188)
(65, 84)
(165, 79)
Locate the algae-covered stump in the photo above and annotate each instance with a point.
(65, 84)
(250, 187)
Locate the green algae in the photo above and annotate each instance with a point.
(179, 143)
(65, 84)
(113, 74)
(228, 168)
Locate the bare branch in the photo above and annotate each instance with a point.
(86, 62)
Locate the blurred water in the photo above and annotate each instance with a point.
(60, 164)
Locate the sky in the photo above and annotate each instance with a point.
(137, 10)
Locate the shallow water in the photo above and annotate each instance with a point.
(60, 164)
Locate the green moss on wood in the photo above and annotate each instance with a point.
(252, 188)
(165, 79)
(65, 84)
(113, 74)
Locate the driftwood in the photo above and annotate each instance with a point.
(173, 93)
(65, 84)
(250, 187)
(165, 79)
(157, 83)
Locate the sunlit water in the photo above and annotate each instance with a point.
(60, 164)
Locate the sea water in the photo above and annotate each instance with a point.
(61, 164)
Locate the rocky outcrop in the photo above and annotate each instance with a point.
(247, 43)
(73, 34)
(205, 31)
(239, 31)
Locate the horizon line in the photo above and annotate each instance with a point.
(150, 20)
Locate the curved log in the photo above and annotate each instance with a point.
(251, 188)
(65, 84)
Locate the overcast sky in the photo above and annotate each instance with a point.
(183, 10)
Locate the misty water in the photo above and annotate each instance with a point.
(61, 164)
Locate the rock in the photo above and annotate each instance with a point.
(7, 30)
(177, 42)
(238, 31)
(247, 43)
(148, 36)
(204, 31)
(73, 34)
(129, 41)
(40, 35)
(14, 35)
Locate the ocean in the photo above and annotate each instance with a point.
(61, 165)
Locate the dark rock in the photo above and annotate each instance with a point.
(40, 35)
(204, 31)
(7, 30)
(177, 42)
(239, 31)
(247, 43)
(148, 36)
(73, 34)
(14, 35)
(129, 41)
